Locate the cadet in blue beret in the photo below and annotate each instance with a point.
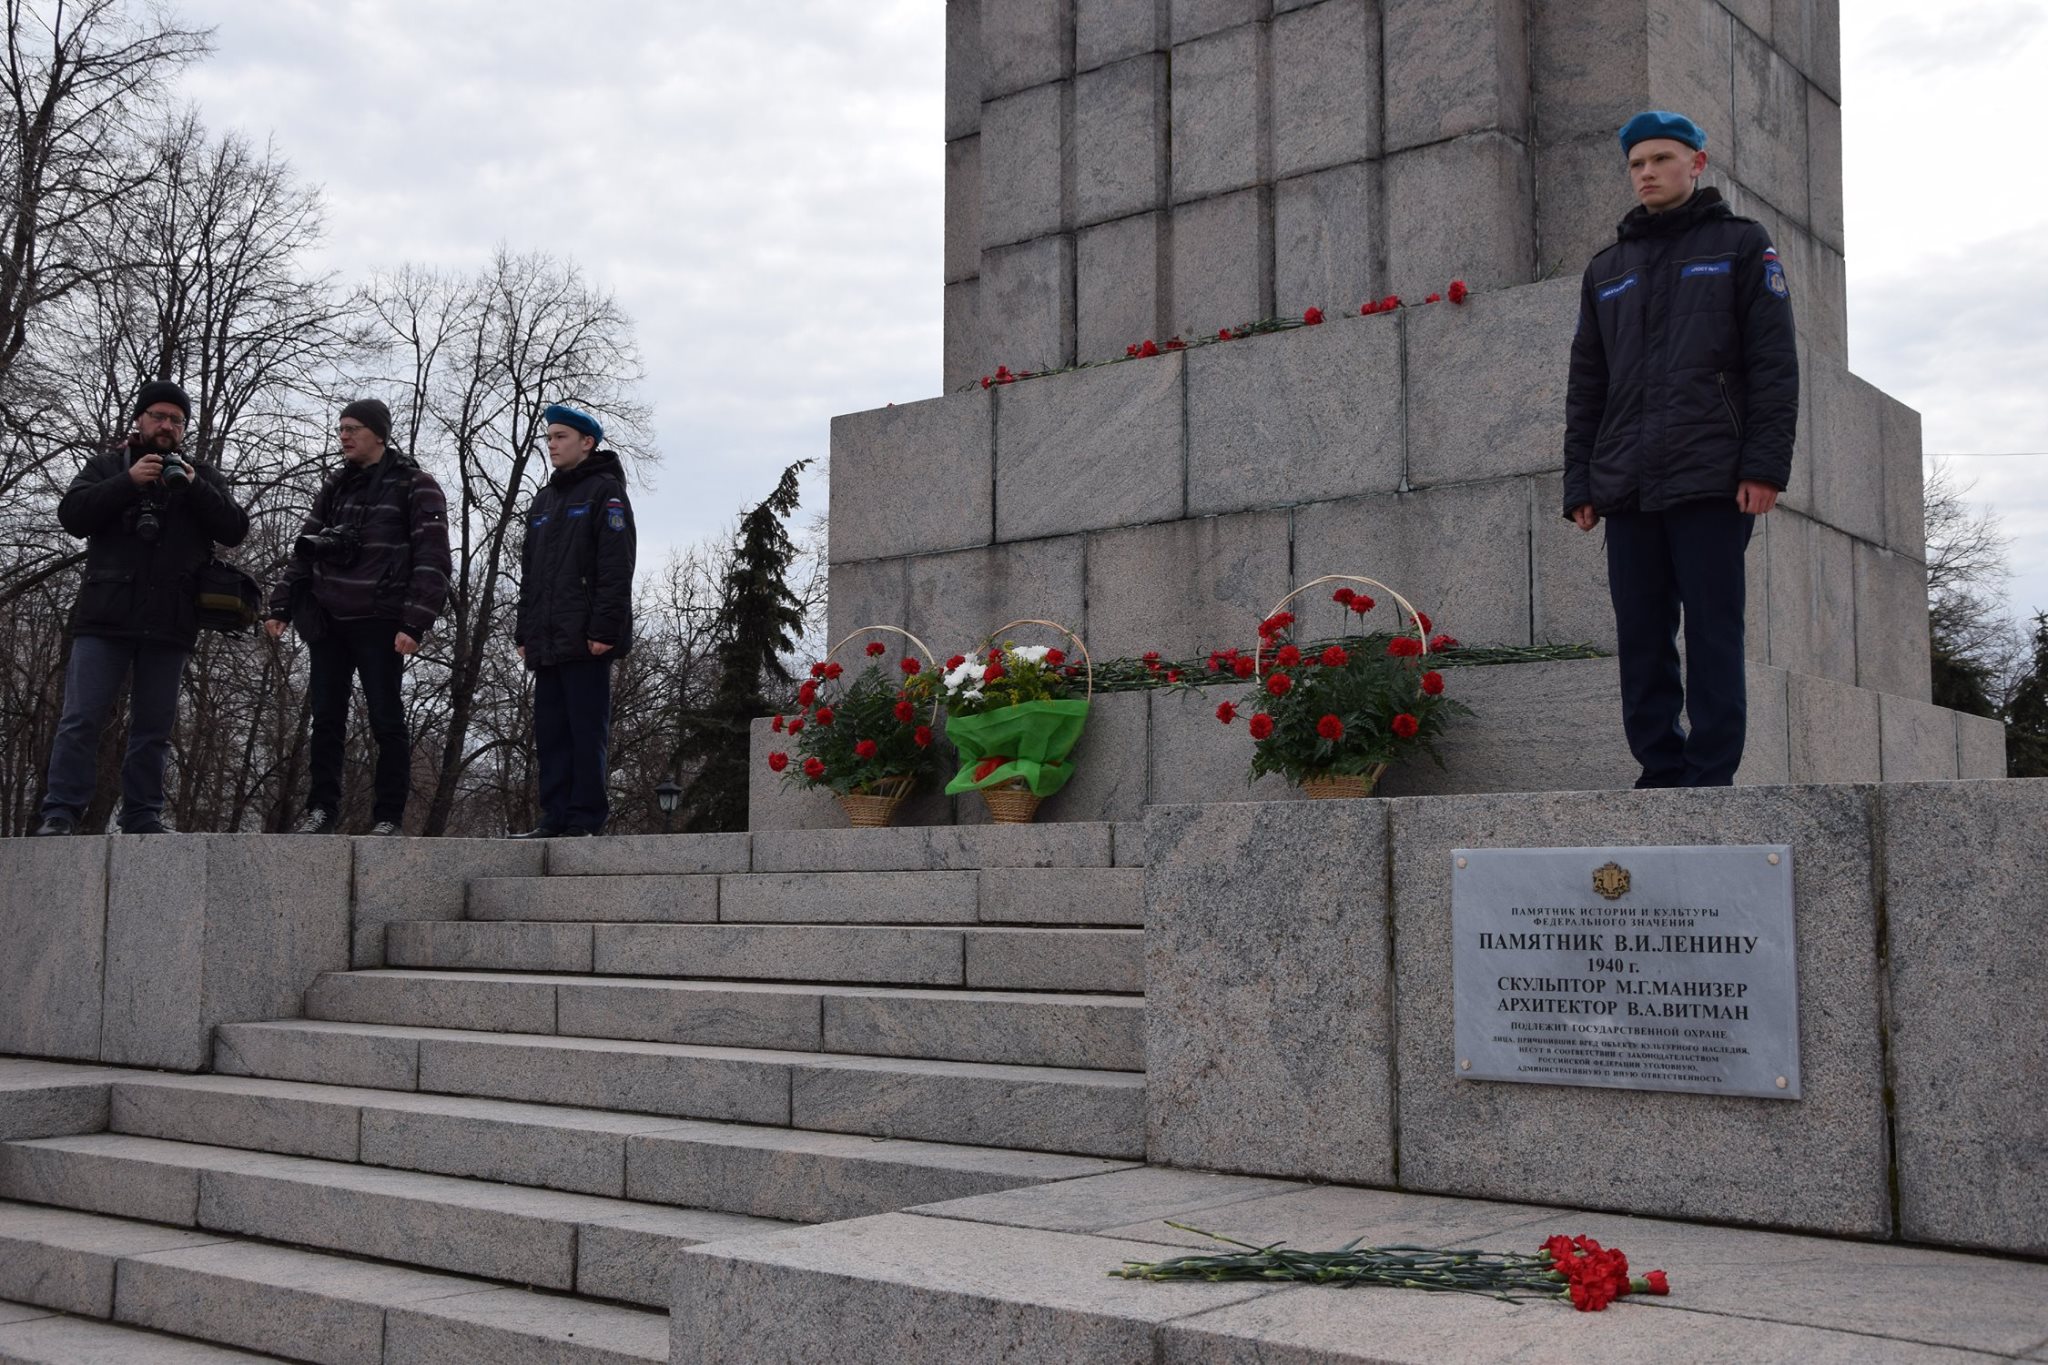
(1679, 418)
(575, 618)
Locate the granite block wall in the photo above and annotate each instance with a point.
(1262, 158)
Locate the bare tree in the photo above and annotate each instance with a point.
(1977, 651)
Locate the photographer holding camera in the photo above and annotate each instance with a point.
(367, 576)
(150, 516)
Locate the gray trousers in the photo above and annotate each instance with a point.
(91, 684)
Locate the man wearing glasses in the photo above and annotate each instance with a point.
(367, 576)
(150, 516)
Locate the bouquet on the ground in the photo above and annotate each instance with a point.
(1014, 713)
(867, 733)
(1577, 1269)
(1332, 716)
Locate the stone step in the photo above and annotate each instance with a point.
(301, 1305)
(1049, 1109)
(37, 1336)
(986, 958)
(1036, 895)
(732, 1168)
(586, 1244)
(909, 848)
(1024, 1028)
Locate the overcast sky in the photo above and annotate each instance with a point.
(761, 185)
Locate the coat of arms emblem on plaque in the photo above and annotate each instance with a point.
(1611, 881)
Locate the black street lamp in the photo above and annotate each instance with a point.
(668, 796)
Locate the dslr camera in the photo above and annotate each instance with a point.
(332, 544)
(177, 470)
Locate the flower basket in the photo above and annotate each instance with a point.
(874, 806)
(1331, 718)
(1015, 752)
(1328, 786)
(867, 739)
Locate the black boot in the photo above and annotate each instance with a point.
(56, 823)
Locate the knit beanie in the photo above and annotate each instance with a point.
(371, 413)
(162, 391)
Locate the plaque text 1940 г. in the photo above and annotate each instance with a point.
(1633, 968)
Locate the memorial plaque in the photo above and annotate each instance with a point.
(1630, 968)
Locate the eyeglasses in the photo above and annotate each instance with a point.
(351, 428)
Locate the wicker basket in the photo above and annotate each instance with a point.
(1013, 803)
(874, 806)
(1010, 804)
(1342, 786)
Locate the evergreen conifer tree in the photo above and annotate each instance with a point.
(758, 620)
(2026, 712)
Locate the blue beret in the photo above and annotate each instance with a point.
(1662, 123)
(574, 417)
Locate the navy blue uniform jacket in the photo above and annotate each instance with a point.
(1684, 376)
(576, 574)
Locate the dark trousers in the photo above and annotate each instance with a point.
(1685, 559)
(348, 650)
(572, 729)
(91, 683)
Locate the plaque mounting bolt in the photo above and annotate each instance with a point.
(1784, 1084)
(1461, 862)
(1465, 1064)
(1773, 860)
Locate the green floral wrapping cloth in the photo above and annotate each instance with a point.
(1031, 740)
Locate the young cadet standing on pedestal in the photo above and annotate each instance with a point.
(1683, 398)
(575, 617)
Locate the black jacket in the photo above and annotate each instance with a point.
(576, 568)
(136, 588)
(1684, 377)
(400, 573)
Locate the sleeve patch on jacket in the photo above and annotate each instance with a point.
(615, 515)
(581, 509)
(1774, 279)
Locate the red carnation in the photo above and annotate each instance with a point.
(867, 748)
(1330, 727)
(824, 716)
(1443, 642)
(988, 765)
(1362, 604)
(1276, 623)
(985, 381)
(818, 670)
(994, 671)
(1404, 726)
(807, 694)
(1390, 303)
(1261, 725)
(1458, 291)
(795, 724)
(1150, 656)
(1343, 596)
(1434, 298)
(1422, 619)
(1656, 1282)
(1223, 334)
(833, 670)
(876, 647)
(1243, 667)
(1227, 712)
(777, 725)
(911, 667)
(922, 737)
(1173, 675)
(1335, 657)
(1054, 658)
(1288, 656)
(1003, 375)
(1368, 308)
(1433, 682)
(1279, 684)
(955, 662)
(905, 712)
(777, 762)
(1176, 344)
(995, 656)
(814, 768)
(1130, 351)
(1149, 348)
(1312, 317)
(1404, 647)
